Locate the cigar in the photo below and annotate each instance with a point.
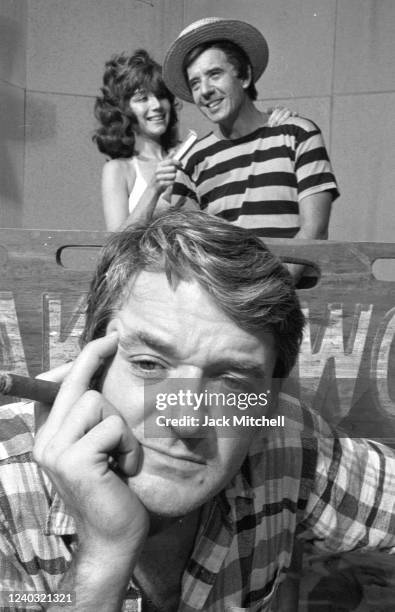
(186, 145)
(36, 389)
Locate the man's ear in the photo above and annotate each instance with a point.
(247, 81)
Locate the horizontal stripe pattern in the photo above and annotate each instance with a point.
(249, 176)
(298, 479)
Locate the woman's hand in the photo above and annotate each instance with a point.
(165, 174)
(279, 115)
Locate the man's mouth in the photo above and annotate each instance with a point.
(173, 458)
(214, 104)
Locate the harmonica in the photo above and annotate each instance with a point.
(186, 145)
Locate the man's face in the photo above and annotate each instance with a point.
(216, 89)
(167, 333)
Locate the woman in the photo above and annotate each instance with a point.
(137, 116)
(138, 131)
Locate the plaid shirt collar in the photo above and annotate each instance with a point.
(217, 529)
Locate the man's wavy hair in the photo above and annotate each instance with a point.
(123, 76)
(244, 279)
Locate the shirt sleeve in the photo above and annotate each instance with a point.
(183, 189)
(313, 168)
(31, 560)
(352, 503)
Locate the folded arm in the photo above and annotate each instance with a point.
(352, 504)
(314, 213)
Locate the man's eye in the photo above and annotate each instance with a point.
(236, 384)
(148, 367)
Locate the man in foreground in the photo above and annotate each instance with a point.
(182, 516)
(276, 180)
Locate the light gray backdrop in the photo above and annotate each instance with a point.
(331, 60)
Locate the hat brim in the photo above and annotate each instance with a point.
(242, 34)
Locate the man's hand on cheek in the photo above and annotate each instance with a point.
(82, 434)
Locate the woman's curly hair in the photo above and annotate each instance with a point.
(123, 76)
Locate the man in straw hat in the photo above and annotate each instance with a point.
(277, 181)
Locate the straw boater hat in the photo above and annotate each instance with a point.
(242, 34)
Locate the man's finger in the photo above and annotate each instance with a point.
(90, 410)
(41, 410)
(57, 374)
(112, 437)
(93, 356)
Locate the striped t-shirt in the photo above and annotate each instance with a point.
(258, 180)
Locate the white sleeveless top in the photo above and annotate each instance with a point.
(140, 185)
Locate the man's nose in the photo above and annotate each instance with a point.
(206, 88)
(188, 416)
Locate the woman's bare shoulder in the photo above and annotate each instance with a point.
(119, 169)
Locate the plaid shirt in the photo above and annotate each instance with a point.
(300, 479)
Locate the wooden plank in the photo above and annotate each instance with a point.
(41, 300)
